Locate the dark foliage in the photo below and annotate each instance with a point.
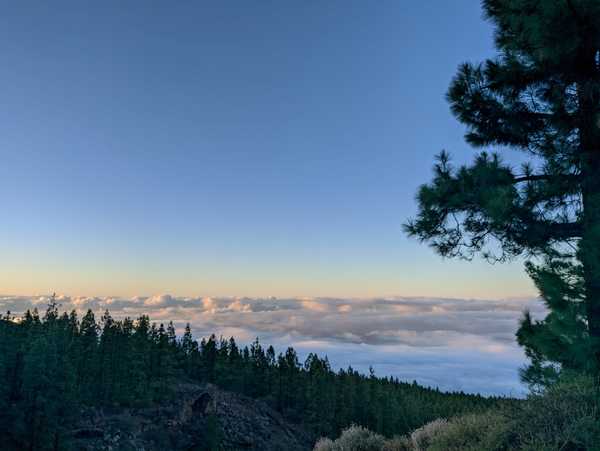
(540, 95)
(57, 364)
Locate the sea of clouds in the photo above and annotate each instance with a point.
(453, 344)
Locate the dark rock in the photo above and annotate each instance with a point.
(88, 433)
(187, 421)
(200, 405)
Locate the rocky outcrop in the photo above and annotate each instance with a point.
(196, 418)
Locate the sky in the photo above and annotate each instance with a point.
(231, 148)
(247, 166)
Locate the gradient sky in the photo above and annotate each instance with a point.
(231, 148)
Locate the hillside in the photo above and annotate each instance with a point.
(65, 375)
(197, 417)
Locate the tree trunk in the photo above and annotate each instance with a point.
(590, 250)
(589, 135)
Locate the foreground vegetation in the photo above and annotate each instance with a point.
(53, 365)
(565, 416)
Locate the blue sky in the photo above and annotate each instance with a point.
(230, 148)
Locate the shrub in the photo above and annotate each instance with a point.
(421, 438)
(474, 432)
(565, 416)
(402, 443)
(354, 438)
(324, 444)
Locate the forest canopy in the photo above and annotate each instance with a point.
(57, 363)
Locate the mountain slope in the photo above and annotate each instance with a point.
(193, 419)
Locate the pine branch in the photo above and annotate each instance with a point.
(561, 231)
(547, 177)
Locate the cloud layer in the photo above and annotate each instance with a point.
(454, 344)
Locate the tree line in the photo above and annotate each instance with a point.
(55, 364)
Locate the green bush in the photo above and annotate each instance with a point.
(423, 437)
(487, 431)
(401, 443)
(324, 444)
(354, 438)
(566, 416)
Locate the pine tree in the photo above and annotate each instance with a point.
(140, 361)
(189, 354)
(10, 374)
(258, 387)
(208, 351)
(540, 95)
(107, 350)
(87, 364)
